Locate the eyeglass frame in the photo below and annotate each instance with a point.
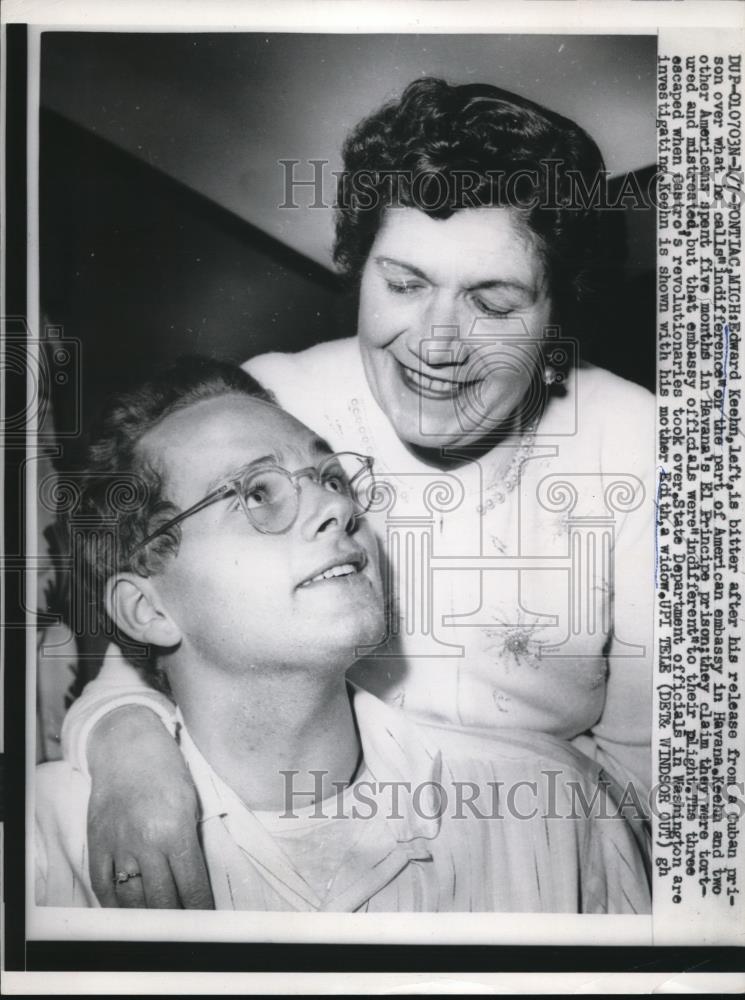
(229, 486)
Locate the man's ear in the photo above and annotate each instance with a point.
(133, 605)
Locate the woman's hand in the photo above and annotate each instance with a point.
(142, 816)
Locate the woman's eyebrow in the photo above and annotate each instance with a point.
(383, 261)
(518, 286)
(489, 283)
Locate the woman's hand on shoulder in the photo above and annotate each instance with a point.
(143, 845)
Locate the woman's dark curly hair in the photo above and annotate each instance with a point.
(123, 494)
(442, 148)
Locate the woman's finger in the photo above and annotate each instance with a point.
(127, 884)
(101, 869)
(158, 883)
(191, 878)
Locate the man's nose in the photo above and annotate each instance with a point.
(322, 510)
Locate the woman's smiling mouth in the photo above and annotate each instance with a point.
(432, 387)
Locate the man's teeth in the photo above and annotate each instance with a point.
(343, 570)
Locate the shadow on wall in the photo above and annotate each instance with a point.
(140, 268)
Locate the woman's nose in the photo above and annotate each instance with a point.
(440, 318)
(438, 329)
(443, 310)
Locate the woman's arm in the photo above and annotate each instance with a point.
(142, 816)
(143, 808)
(616, 859)
(624, 731)
(118, 684)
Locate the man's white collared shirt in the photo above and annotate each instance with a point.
(439, 819)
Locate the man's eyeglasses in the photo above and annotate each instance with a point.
(270, 495)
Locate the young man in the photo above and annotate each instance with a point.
(250, 575)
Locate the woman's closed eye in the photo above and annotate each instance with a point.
(492, 308)
(402, 287)
(409, 288)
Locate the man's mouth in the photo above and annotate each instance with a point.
(430, 386)
(335, 571)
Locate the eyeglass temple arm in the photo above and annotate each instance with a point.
(200, 505)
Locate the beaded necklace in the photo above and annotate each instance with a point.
(496, 491)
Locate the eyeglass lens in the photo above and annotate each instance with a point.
(270, 497)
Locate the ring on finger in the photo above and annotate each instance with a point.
(121, 877)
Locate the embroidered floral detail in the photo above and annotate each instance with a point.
(603, 586)
(498, 544)
(515, 642)
(502, 700)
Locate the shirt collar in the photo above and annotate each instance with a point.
(392, 749)
(388, 843)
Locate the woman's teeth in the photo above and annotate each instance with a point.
(439, 386)
(343, 570)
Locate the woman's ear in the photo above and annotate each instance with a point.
(133, 605)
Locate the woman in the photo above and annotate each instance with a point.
(516, 517)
